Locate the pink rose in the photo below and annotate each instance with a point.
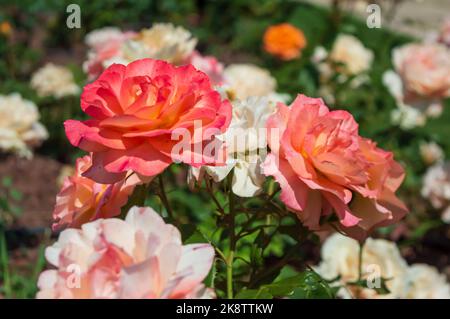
(82, 200)
(424, 70)
(209, 65)
(104, 45)
(141, 257)
(140, 112)
(324, 166)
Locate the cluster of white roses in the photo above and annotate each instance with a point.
(380, 259)
(252, 93)
(20, 129)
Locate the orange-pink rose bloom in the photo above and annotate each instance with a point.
(82, 200)
(136, 258)
(134, 111)
(324, 166)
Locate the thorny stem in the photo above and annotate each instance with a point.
(251, 231)
(221, 254)
(230, 275)
(211, 193)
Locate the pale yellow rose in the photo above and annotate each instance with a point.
(431, 152)
(425, 282)
(163, 41)
(381, 258)
(350, 52)
(246, 80)
(19, 126)
(54, 80)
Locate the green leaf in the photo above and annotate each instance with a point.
(254, 294)
(307, 284)
(314, 287)
(196, 237)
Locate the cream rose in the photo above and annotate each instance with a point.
(54, 80)
(246, 80)
(431, 152)
(350, 52)
(19, 126)
(163, 41)
(425, 282)
(436, 188)
(340, 257)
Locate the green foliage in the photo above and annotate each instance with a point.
(307, 284)
(14, 284)
(9, 202)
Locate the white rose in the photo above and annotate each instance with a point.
(431, 152)
(162, 41)
(54, 80)
(436, 188)
(340, 257)
(349, 51)
(246, 80)
(19, 126)
(425, 282)
(100, 37)
(246, 145)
